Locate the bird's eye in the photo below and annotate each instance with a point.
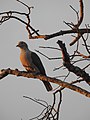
(22, 43)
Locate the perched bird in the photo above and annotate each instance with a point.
(32, 62)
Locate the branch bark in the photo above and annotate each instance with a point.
(75, 69)
(5, 16)
(16, 72)
(64, 32)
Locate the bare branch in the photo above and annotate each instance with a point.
(5, 72)
(64, 32)
(84, 56)
(81, 14)
(49, 111)
(76, 39)
(8, 15)
(79, 21)
(28, 18)
(53, 48)
(47, 56)
(75, 69)
(37, 101)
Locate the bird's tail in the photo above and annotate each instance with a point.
(47, 85)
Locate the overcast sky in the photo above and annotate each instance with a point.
(48, 17)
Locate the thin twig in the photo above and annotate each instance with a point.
(47, 56)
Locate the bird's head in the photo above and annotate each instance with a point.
(22, 45)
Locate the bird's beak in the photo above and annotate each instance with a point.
(17, 45)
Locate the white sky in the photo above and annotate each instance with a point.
(47, 16)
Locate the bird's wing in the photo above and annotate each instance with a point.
(37, 62)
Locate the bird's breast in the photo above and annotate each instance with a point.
(26, 61)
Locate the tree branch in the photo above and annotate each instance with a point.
(5, 72)
(64, 32)
(75, 69)
(10, 14)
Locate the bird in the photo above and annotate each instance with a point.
(32, 63)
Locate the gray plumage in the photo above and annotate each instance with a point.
(32, 62)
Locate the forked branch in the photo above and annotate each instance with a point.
(33, 33)
(50, 112)
(75, 69)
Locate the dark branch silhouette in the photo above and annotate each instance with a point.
(50, 112)
(75, 69)
(5, 16)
